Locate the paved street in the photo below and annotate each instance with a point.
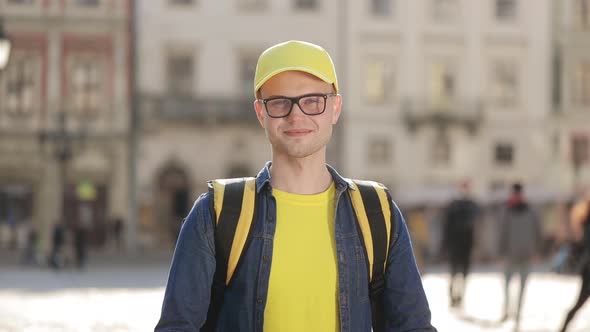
(126, 296)
(548, 298)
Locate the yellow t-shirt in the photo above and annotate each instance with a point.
(303, 287)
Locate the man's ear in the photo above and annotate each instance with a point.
(337, 109)
(259, 108)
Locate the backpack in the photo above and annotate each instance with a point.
(233, 208)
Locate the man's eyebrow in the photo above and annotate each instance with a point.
(275, 96)
(303, 95)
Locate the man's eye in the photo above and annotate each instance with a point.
(279, 103)
(311, 100)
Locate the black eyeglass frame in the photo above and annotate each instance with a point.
(295, 100)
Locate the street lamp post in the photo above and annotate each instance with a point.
(62, 140)
(5, 47)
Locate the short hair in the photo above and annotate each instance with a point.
(517, 187)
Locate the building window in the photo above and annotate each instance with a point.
(582, 84)
(583, 13)
(504, 154)
(381, 7)
(306, 4)
(180, 74)
(180, 2)
(251, 4)
(86, 85)
(443, 83)
(379, 151)
(21, 84)
(87, 3)
(505, 10)
(444, 10)
(16, 203)
(378, 80)
(247, 70)
(21, 2)
(505, 83)
(580, 150)
(441, 150)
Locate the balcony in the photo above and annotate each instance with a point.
(198, 110)
(468, 114)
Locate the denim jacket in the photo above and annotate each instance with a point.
(188, 291)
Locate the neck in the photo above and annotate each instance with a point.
(305, 176)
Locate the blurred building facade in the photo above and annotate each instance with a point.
(448, 90)
(571, 94)
(196, 69)
(64, 100)
(435, 92)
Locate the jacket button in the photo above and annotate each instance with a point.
(265, 258)
(259, 301)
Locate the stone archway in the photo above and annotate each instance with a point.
(172, 202)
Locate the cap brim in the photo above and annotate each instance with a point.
(303, 69)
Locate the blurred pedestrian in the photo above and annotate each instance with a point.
(12, 223)
(57, 243)
(30, 250)
(580, 220)
(80, 246)
(81, 230)
(459, 221)
(520, 243)
(118, 232)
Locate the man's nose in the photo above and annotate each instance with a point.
(296, 112)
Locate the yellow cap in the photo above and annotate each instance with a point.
(295, 55)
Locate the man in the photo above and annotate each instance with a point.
(520, 242)
(304, 268)
(58, 240)
(459, 220)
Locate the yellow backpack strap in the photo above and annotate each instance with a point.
(373, 213)
(371, 204)
(234, 204)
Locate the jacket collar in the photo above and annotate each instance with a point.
(263, 179)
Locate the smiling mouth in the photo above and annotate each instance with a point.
(297, 132)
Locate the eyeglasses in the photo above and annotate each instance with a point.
(310, 104)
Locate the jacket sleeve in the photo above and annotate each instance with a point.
(188, 291)
(404, 300)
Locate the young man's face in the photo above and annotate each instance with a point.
(298, 135)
